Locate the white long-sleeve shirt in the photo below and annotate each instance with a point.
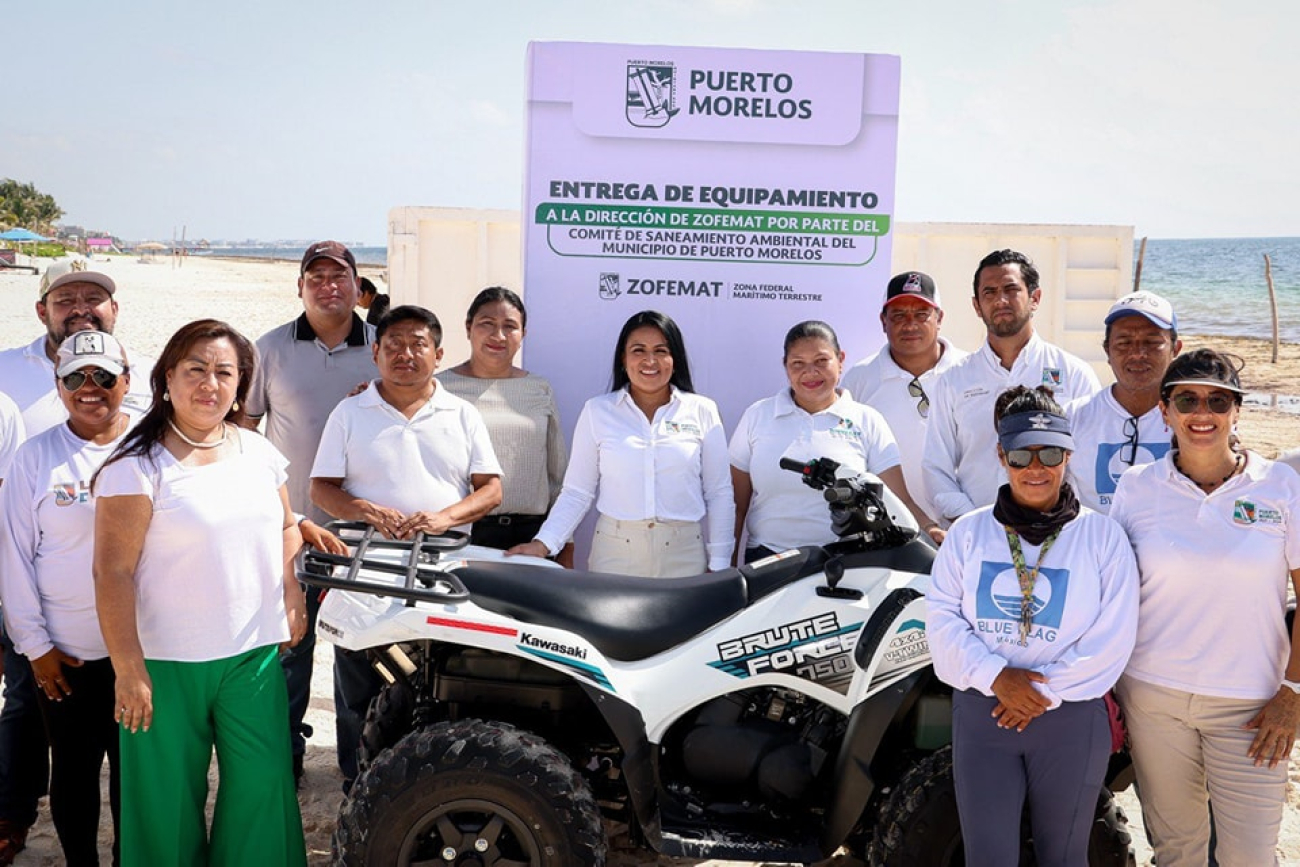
(1102, 449)
(673, 467)
(1086, 600)
(881, 384)
(47, 525)
(960, 460)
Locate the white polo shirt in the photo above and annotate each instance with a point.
(48, 521)
(672, 467)
(1085, 607)
(1215, 572)
(784, 512)
(1103, 451)
(27, 376)
(881, 384)
(423, 463)
(960, 459)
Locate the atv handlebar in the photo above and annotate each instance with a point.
(857, 503)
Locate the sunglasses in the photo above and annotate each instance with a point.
(915, 390)
(75, 380)
(1048, 456)
(1188, 403)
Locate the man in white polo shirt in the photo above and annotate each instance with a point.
(404, 456)
(304, 368)
(960, 461)
(895, 380)
(1122, 426)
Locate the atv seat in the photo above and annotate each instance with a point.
(624, 617)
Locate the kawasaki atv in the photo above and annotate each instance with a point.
(777, 712)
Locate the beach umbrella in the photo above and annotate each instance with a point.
(151, 245)
(21, 236)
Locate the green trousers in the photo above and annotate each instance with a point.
(239, 706)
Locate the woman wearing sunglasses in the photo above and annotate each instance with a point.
(1212, 693)
(49, 593)
(1032, 613)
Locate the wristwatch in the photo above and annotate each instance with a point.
(1292, 685)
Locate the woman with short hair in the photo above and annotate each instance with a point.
(1031, 615)
(1212, 693)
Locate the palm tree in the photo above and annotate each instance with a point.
(24, 205)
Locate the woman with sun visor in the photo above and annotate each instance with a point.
(1032, 613)
(1212, 694)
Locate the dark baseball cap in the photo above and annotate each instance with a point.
(328, 250)
(912, 284)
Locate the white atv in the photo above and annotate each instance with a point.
(775, 712)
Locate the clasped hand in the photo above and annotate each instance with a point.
(393, 524)
(1019, 702)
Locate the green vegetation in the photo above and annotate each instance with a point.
(24, 205)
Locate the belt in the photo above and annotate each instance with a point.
(507, 520)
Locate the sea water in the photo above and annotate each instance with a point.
(1217, 285)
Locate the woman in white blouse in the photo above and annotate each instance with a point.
(652, 455)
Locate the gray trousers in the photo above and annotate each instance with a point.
(1057, 765)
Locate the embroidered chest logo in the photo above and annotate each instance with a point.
(845, 429)
(70, 493)
(1051, 376)
(1245, 513)
(681, 427)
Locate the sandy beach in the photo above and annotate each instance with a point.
(254, 296)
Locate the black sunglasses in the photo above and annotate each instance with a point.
(1048, 456)
(1187, 403)
(77, 379)
(1131, 432)
(915, 390)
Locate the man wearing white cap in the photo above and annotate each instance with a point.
(1121, 426)
(68, 301)
(960, 462)
(895, 381)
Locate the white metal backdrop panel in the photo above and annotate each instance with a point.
(737, 191)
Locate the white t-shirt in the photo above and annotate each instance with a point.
(27, 376)
(1086, 600)
(12, 433)
(48, 520)
(784, 512)
(1215, 573)
(670, 468)
(960, 462)
(210, 581)
(1103, 449)
(423, 463)
(881, 384)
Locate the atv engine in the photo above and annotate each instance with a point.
(767, 742)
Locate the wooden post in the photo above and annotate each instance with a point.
(1137, 272)
(1272, 301)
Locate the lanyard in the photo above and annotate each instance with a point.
(1027, 577)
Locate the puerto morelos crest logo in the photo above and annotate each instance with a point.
(651, 93)
(609, 286)
(1051, 376)
(1243, 512)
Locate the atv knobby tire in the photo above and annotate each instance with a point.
(918, 825)
(470, 792)
(388, 719)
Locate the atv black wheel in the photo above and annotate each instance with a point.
(918, 825)
(470, 793)
(388, 720)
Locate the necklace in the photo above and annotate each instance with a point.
(1236, 466)
(199, 445)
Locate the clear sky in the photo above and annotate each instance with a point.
(293, 119)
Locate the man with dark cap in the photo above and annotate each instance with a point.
(304, 368)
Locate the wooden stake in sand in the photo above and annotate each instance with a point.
(1272, 301)
(1137, 272)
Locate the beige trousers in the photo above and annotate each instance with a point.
(653, 549)
(1188, 749)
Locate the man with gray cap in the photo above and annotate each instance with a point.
(895, 379)
(1122, 426)
(304, 368)
(69, 301)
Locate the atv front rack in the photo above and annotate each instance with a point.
(416, 561)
